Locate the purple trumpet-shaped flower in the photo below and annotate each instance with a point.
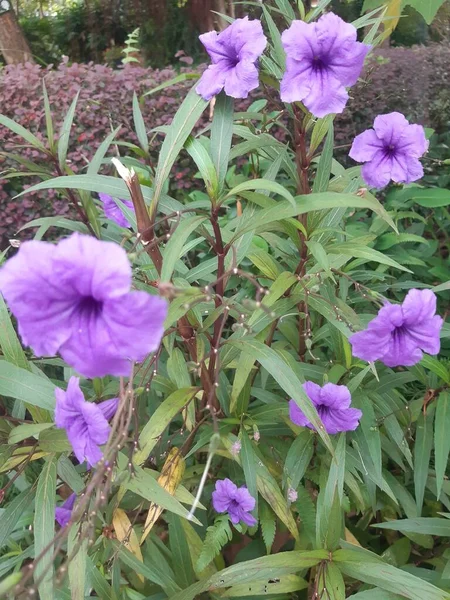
(64, 512)
(237, 502)
(332, 402)
(400, 332)
(74, 298)
(113, 212)
(391, 150)
(86, 423)
(322, 60)
(233, 53)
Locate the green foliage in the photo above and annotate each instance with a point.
(266, 276)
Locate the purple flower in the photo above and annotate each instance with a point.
(64, 512)
(233, 53)
(391, 150)
(86, 423)
(113, 212)
(237, 502)
(323, 59)
(400, 332)
(74, 298)
(332, 402)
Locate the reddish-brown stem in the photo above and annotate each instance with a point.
(220, 251)
(302, 161)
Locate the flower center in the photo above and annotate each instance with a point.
(318, 64)
(89, 307)
(390, 150)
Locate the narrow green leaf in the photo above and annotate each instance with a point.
(99, 583)
(77, 565)
(275, 36)
(28, 387)
(24, 133)
(183, 122)
(422, 454)
(174, 247)
(436, 367)
(423, 525)
(12, 513)
(48, 118)
(370, 254)
(268, 525)
(334, 582)
(320, 130)
(205, 165)
(262, 184)
(160, 419)
(64, 134)
(179, 546)
(298, 458)
(22, 432)
(322, 178)
(178, 79)
(44, 528)
(9, 342)
(441, 438)
(139, 124)
(221, 135)
(248, 463)
(96, 162)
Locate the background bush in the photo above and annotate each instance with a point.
(411, 80)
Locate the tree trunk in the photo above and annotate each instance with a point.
(13, 44)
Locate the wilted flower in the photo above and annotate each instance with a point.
(74, 298)
(292, 495)
(237, 502)
(64, 512)
(332, 402)
(86, 423)
(400, 332)
(233, 53)
(113, 212)
(323, 59)
(391, 150)
(236, 448)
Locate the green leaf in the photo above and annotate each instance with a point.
(427, 8)
(7, 584)
(322, 178)
(179, 546)
(183, 122)
(12, 513)
(286, 584)
(287, 379)
(96, 162)
(77, 565)
(436, 367)
(441, 438)
(357, 251)
(334, 582)
(217, 536)
(320, 130)
(44, 528)
(275, 37)
(422, 454)
(9, 342)
(28, 387)
(268, 525)
(99, 583)
(139, 124)
(387, 577)
(64, 134)
(248, 463)
(298, 458)
(271, 567)
(430, 197)
(159, 420)
(262, 184)
(22, 432)
(48, 118)
(174, 247)
(205, 165)
(54, 440)
(221, 135)
(423, 525)
(178, 79)
(24, 133)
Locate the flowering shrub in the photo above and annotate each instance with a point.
(409, 80)
(231, 392)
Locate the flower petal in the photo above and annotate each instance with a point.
(426, 334)
(109, 407)
(300, 41)
(390, 127)
(212, 80)
(98, 426)
(335, 397)
(413, 141)
(401, 351)
(371, 344)
(245, 499)
(327, 95)
(297, 416)
(365, 146)
(313, 392)
(247, 518)
(418, 306)
(336, 421)
(377, 172)
(295, 85)
(241, 80)
(68, 404)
